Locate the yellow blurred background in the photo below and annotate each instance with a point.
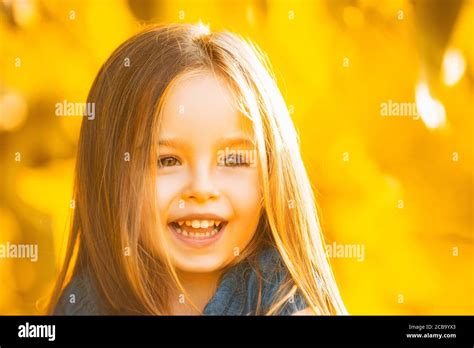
(395, 182)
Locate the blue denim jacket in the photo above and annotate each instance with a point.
(236, 294)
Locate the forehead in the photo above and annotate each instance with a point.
(202, 103)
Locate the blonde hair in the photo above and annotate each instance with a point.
(115, 199)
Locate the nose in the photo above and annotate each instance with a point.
(201, 186)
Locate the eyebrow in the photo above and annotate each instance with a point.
(239, 140)
(228, 141)
(172, 142)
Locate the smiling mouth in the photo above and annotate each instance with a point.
(198, 229)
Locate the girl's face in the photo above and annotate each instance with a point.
(208, 188)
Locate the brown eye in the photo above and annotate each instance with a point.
(168, 161)
(235, 160)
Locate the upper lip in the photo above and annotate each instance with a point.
(202, 216)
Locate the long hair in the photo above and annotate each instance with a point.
(114, 225)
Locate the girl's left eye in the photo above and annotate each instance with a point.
(168, 161)
(234, 160)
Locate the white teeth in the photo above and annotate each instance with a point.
(199, 223)
(196, 225)
(196, 235)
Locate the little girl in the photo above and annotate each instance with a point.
(191, 196)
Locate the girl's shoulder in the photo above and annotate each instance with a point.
(78, 298)
(238, 292)
(273, 274)
(242, 289)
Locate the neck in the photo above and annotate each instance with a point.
(200, 288)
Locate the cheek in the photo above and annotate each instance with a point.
(168, 189)
(244, 193)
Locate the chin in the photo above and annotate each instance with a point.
(199, 263)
